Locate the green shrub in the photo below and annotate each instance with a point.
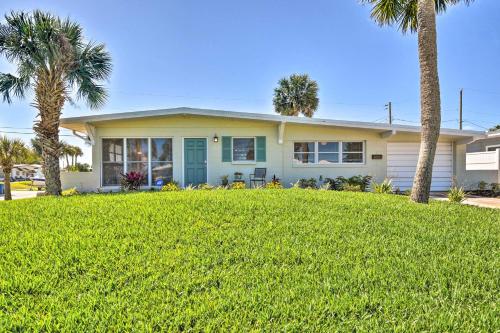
(170, 187)
(384, 187)
(70, 192)
(274, 185)
(334, 184)
(238, 186)
(362, 181)
(456, 194)
(352, 188)
(310, 183)
(205, 186)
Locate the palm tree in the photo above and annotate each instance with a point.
(66, 152)
(77, 152)
(53, 59)
(420, 16)
(12, 151)
(296, 95)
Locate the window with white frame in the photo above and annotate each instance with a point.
(304, 152)
(328, 152)
(161, 160)
(352, 152)
(492, 148)
(112, 161)
(152, 157)
(137, 157)
(243, 149)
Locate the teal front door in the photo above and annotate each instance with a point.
(195, 161)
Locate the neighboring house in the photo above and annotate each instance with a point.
(25, 171)
(193, 146)
(483, 161)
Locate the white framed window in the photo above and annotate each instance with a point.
(329, 152)
(151, 157)
(161, 160)
(304, 152)
(353, 152)
(112, 161)
(492, 148)
(138, 157)
(243, 149)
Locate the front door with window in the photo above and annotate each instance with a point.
(195, 161)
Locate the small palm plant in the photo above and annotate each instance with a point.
(296, 95)
(382, 188)
(53, 60)
(12, 151)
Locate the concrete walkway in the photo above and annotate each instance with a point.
(472, 200)
(16, 195)
(483, 202)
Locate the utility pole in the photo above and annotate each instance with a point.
(389, 108)
(460, 109)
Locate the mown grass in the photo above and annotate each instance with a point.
(292, 260)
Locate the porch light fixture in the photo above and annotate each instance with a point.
(216, 138)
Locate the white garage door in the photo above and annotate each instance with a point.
(402, 160)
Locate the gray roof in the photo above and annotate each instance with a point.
(73, 122)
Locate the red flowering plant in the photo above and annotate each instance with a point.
(132, 181)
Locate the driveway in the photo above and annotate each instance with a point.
(22, 195)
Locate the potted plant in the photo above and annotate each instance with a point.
(224, 180)
(238, 175)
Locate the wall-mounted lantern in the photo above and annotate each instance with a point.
(216, 138)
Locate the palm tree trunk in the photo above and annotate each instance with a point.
(6, 183)
(67, 160)
(50, 95)
(430, 100)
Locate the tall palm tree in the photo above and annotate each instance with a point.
(296, 95)
(54, 60)
(420, 16)
(12, 151)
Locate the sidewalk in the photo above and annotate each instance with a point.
(16, 195)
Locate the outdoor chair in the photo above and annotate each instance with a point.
(259, 176)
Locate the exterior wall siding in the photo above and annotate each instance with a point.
(279, 157)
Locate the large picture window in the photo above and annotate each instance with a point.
(243, 149)
(150, 156)
(328, 152)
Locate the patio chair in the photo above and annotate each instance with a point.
(259, 176)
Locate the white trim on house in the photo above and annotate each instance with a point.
(75, 123)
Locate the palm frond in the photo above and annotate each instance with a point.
(11, 85)
(403, 13)
(93, 94)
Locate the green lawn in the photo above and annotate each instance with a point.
(291, 260)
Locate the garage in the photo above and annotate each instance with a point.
(402, 160)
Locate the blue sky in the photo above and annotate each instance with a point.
(230, 55)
